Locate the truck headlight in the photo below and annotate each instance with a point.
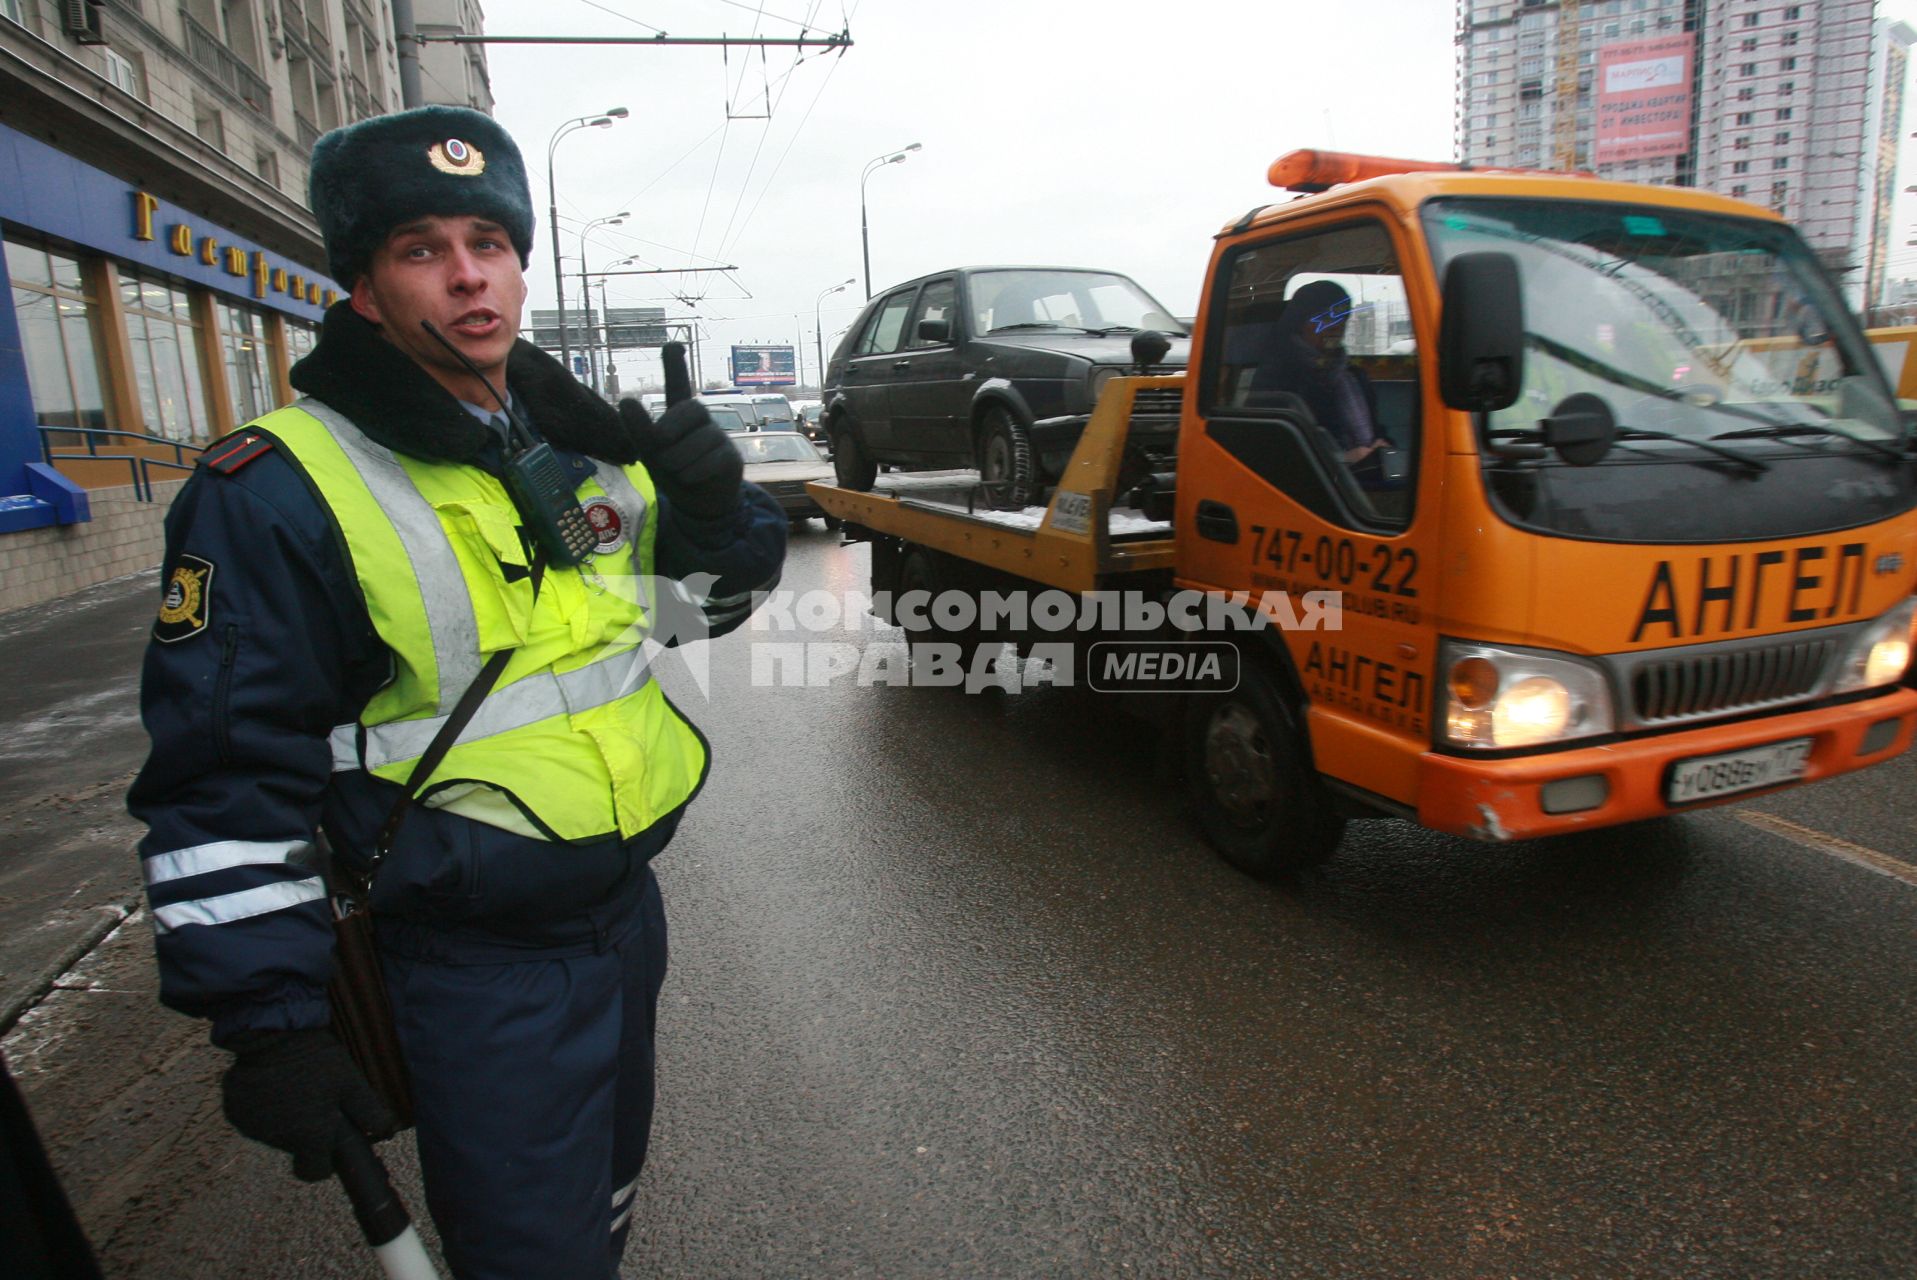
(1880, 654)
(1498, 697)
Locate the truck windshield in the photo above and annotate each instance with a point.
(1747, 403)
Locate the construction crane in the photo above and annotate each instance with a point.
(1564, 109)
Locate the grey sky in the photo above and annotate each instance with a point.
(1103, 133)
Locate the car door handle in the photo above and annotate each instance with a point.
(1217, 521)
(901, 364)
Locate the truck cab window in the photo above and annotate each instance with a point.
(1316, 378)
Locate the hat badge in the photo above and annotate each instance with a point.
(457, 157)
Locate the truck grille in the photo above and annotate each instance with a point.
(1717, 679)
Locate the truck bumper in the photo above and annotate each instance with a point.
(1513, 798)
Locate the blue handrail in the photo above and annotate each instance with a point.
(137, 464)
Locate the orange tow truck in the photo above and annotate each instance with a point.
(1597, 552)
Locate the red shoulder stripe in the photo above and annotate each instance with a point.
(231, 454)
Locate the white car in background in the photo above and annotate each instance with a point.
(776, 411)
(729, 419)
(739, 404)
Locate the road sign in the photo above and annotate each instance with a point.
(543, 331)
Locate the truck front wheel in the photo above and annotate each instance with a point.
(1246, 765)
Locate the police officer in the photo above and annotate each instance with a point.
(337, 574)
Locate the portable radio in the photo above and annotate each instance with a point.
(537, 480)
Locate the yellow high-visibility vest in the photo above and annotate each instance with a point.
(576, 740)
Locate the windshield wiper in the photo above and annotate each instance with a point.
(1742, 459)
(1587, 363)
(1037, 324)
(1533, 438)
(1789, 430)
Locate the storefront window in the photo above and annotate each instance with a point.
(243, 346)
(57, 327)
(300, 340)
(166, 362)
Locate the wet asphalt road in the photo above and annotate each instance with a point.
(958, 990)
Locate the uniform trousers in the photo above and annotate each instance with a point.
(533, 1091)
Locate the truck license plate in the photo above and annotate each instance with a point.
(1707, 776)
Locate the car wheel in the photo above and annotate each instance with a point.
(851, 465)
(1257, 798)
(1006, 459)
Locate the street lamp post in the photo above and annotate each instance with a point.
(585, 294)
(609, 385)
(818, 328)
(601, 121)
(865, 243)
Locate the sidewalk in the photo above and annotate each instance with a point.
(69, 699)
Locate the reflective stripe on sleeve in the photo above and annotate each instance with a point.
(724, 602)
(221, 855)
(537, 697)
(228, 907)
(442, 586)
(623, 1196)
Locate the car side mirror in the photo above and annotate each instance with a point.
(935, 330)
(1481, 338)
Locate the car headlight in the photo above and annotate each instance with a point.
(1497, 698)
(1100, 377)
(1880, 654)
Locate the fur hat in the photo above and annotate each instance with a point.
(370, 177)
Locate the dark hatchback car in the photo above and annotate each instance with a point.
(988, 367)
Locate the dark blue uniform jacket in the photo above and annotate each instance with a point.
(240, 695)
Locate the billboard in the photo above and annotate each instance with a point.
(1644, 98)
(764, 367)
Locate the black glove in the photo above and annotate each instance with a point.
(692, 461)
(296, 1090)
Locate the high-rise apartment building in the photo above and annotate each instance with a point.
(1796, 106)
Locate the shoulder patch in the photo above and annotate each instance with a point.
(186, 607)
(235, 451)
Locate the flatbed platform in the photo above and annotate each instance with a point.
(1082, 540)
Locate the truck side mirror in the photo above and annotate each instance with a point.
(935, 330)
(1481, 338)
